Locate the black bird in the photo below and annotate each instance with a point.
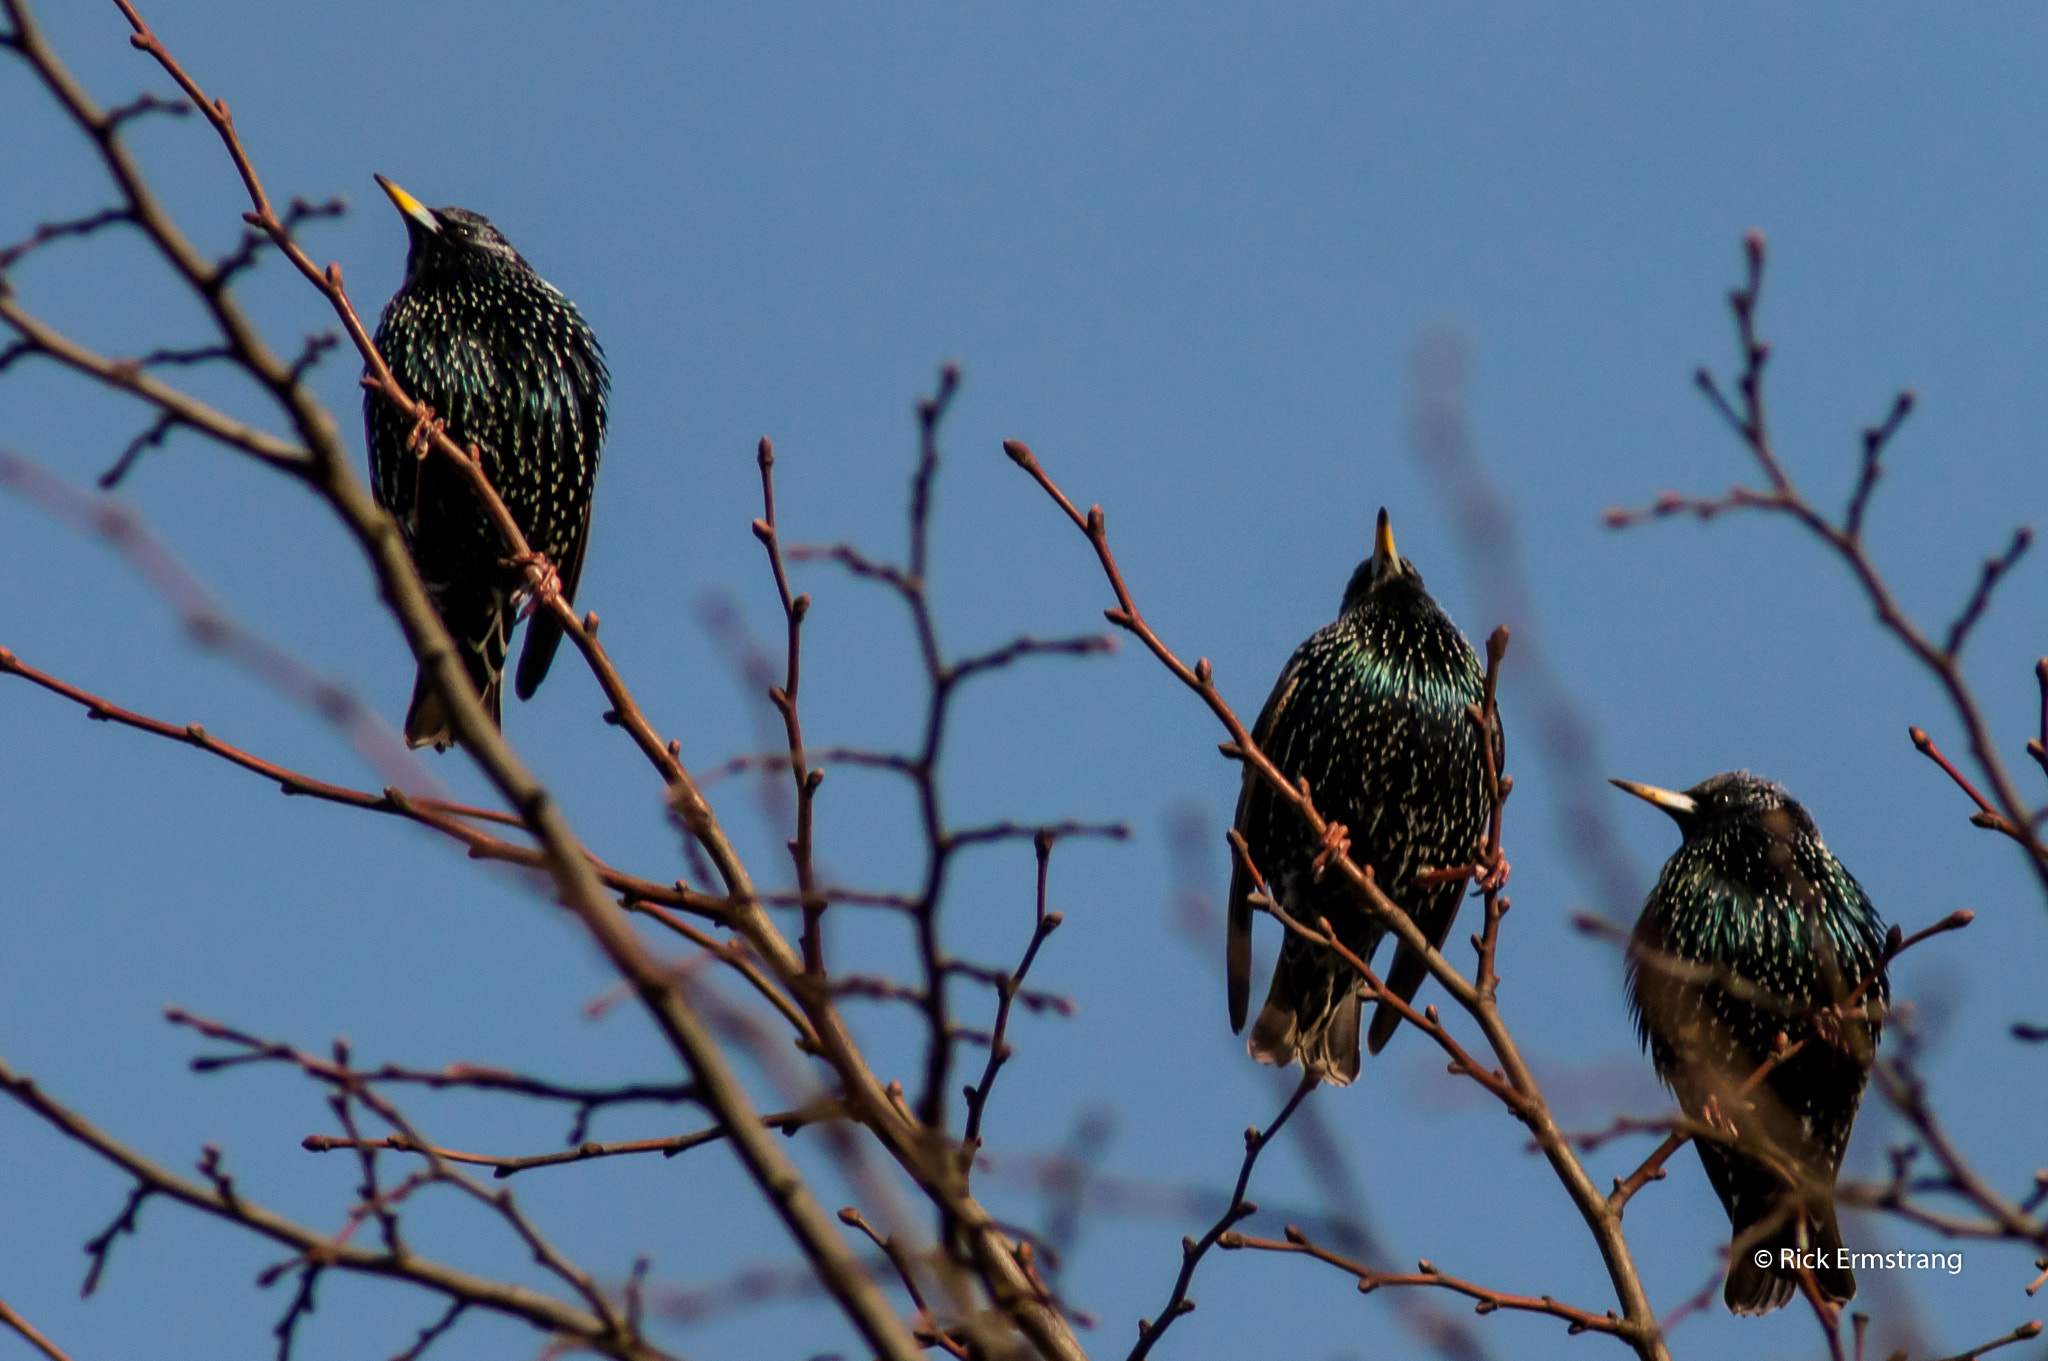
(1754, 931)
(1371, 711)
(509, 364)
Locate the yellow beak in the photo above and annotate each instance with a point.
(414, 210)
(1384, 556)
(1663, 798)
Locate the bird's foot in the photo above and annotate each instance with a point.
(544, 582)
(1336, 842)
(1712, 1114)
(1493, 876)
(419, 441)
(1837, 1026)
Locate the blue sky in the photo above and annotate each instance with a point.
(1187, 254)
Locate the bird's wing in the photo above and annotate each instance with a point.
(588, 388)
(1254, 815)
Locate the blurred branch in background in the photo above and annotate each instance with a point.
(977, 1285)
(209, 625)
(988, 1286)
(1566, 741)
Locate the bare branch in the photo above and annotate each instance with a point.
(1087, 645)
(218, 1198)
(2025, 1332)
(788, 1122)
(1639, 1325)
(1007, 988)
(433, 1332)
(47, 232)
(1427, 1274)
(451, 819)
(794, 607)
(1994, 572)
(28, 1330)
(1943, 662)
(1193, 1250)
(101, 1246)
(928, 1329)
(1875, 438)
(152, 438)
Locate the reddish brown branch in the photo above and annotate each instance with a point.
(1192, 1250)
(217, 1196)
(322, 462)
(737, 955)
(47, 232)
(928, 1329)
(2025, 1332)
(1007, 988)
(1376, 991)
(1986, 815)
(784, 698)
(1651, 1168)
(1999, 1218)
(2037, 746)
(1489, 1300)
(788, 1122)
(1639, 1326)
(1748, 419)
(451, 819)
(28, 1330)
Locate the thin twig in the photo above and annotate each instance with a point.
(787, 1122)
(2025, 1332)
(1007, 987)
(1193, 1250)
(1427, 1274)
(218, 1198)
(784, 698)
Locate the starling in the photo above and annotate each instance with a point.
(1755, 931)
(507, 362)
(1371, 711)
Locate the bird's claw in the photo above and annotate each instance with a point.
(545, 583)
(1831, 1027)
(419, 441)
(1493, 876)
(1711, 1113)
(1336, 842)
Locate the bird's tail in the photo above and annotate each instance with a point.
(1311, 1015)
(1783, 1240)
(543, 636)
(481, 639)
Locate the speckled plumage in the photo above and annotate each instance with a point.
(1755, 930)
(510, 365)
(1371, 711)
